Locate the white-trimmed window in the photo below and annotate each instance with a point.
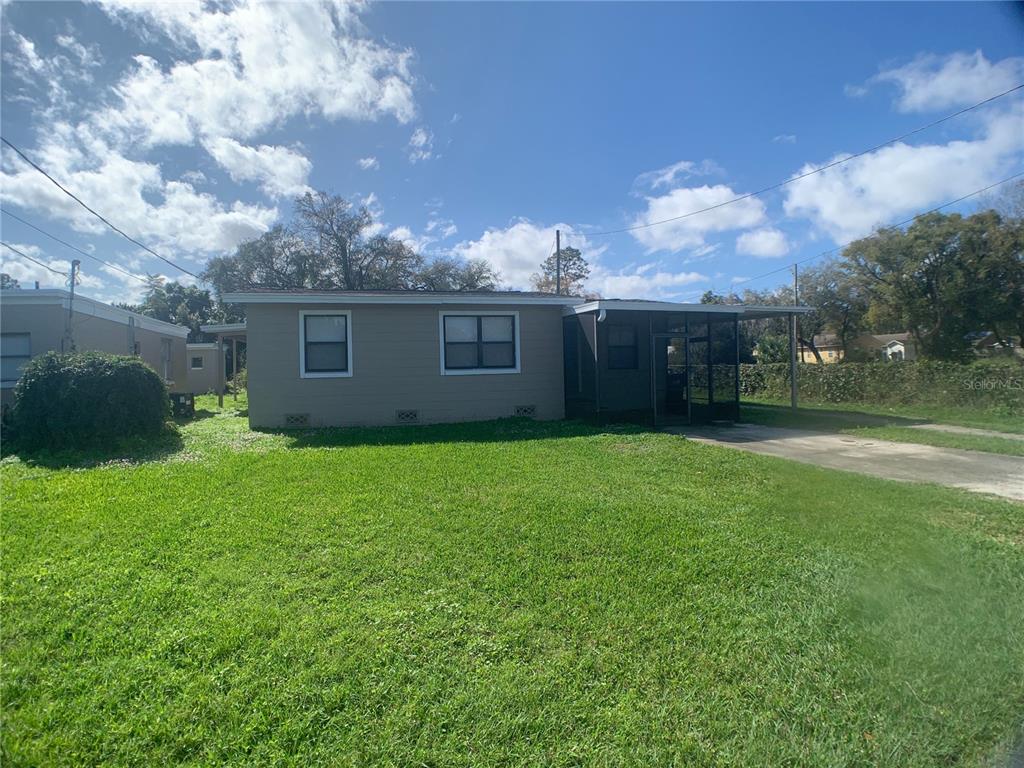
(15, 352)
(479, 342)
(197, 363)
(325, 344)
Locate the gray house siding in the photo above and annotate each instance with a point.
(396, 365)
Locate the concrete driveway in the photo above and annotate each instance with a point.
(972, 470)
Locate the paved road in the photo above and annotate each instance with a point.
(973, 470)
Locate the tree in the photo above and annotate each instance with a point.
(7, 282)
(184, 305)
(330, 244)
(772, 348)
(944, 277)
(450, 274)
(575, 272)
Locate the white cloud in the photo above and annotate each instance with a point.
(421, 145)
(785, 138)
(280, 172)
(257, 65)
(931, 82)
(168, 215)
(690, 232)
(368, 163)
(443, 228)
(671, 174)
(648, 281)
(518, 250)
(766, 242)
(850, 200)
(27, 272)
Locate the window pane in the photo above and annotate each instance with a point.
(325, 328)
(499, 355)
(460, 356)
(15, 344)
(497, 328)
(326, 357)
(459, 329)
(621, 335)
(10, 367)
(197, 362)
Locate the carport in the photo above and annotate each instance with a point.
(226, 332)
(660, 362)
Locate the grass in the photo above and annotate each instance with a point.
(510, 593)
(939, 414)
(897, 426)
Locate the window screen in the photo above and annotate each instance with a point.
(622, 348)
(479, 341)
(325, 341)
(197, 363)
(15, 351)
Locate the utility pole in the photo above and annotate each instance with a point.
(793, 385)
(558, 262)
(796, 302)
(68, 344)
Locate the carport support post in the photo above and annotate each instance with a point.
(234, 367)
(220, 371)
(792, 360)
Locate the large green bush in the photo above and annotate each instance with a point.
(87, 399)
(988, 385)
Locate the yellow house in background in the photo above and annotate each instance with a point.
(891, 347)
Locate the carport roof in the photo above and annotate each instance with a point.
(745, 311)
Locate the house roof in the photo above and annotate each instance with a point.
(85, 306)
(745, 311)
(278, 296)
(826, 340)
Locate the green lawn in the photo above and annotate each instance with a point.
(940, 414)
(889, 424)
(506, 593)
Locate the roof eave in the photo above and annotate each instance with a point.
(371, 298)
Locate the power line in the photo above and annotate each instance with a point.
(833, 164)
(78, 200)
(911, 220)
(72, 247)
(34, 261)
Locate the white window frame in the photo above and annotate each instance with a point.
(347, 313)
(192, 363)
(478, 313)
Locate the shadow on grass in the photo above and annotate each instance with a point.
(498, 431)
(137, 450)
(820, 419)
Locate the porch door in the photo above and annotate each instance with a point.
(669, 372)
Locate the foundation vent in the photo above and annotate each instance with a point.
(296, 420)
(525, 411)
(407, 416)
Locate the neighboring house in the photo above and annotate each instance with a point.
(202, 368)
(828, 347)
(344, 358)
(892, 347)
(987, 344)
(33, 322)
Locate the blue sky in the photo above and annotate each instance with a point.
(476, 129)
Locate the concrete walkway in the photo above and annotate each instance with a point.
(968, 431)
(972, 470)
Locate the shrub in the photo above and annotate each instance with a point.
(990, 385)
(79, 400)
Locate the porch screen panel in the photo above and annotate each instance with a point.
(724, 365)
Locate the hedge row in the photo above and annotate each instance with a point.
(86, 399)
(990, 385)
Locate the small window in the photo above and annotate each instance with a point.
(137, 348)
(325, 345)
(197, 364)
(622, 348)
(15, 352)
(479, 343)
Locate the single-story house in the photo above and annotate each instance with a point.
(202, 367)
(892, 347)
(345, 358)
(828, 347)
(36, 321)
